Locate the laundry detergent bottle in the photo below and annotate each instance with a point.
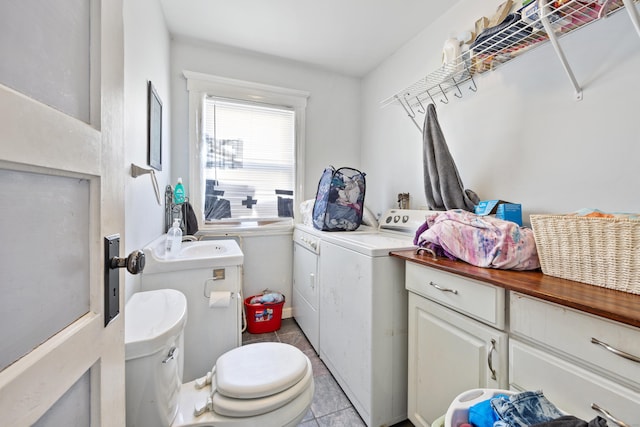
(173, 244)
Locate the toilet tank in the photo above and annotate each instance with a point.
(154, 343)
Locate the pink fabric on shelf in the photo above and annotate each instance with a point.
(482, 241)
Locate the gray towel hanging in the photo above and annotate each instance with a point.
(442, 184)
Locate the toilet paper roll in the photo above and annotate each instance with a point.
(219, 299)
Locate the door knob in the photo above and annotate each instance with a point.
(134, 262)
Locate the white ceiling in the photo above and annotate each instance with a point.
(347, 36)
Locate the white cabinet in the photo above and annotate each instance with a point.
(450, 352)
(577, 359)
(210, 331)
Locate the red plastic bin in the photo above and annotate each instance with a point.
(263, 318)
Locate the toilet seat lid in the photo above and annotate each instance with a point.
(259, 370)
(242, 408)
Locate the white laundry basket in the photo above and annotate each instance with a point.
(438, 422)
(458, 412)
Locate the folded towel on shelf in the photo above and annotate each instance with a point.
(502, 36)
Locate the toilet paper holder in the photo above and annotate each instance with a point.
(218, 274)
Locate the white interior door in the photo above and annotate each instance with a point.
(61, 180)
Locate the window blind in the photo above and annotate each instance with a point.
(249, 166)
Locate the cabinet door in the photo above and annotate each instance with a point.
(448, 354)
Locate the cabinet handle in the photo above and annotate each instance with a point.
(616, 351)
(440, 288)
(608, 416)
(490, 359)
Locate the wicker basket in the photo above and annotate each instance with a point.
(598, 251)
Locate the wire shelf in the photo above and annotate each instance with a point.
(520, 32)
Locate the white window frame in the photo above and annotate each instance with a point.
(200, 85)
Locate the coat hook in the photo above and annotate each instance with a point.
(431, 97)
(421, 110)
(473, 88)
(444, 94)
(409, 110)
(459, 94)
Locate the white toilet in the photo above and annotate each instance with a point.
(263, 384)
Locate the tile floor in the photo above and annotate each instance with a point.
(330, 407)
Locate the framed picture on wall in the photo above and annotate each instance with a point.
(154, 129)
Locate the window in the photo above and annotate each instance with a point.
(246, 143)
(250, 160)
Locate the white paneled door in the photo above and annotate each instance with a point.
(61, 192)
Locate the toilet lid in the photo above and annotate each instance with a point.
(259, 370)
(237, 408)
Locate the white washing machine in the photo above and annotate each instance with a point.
(304, 298)
(362, 313)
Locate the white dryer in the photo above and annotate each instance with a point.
(363, 315)
(307, 242)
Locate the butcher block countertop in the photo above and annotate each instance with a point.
(610, 304)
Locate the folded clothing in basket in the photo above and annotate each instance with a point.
(595, 213)
(525, 409)
(267, 298)
(482, 414)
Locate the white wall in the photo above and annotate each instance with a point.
(146, 58)
(332, 137)
(522, 137)
(333, 118)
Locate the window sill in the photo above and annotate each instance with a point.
(238, 226)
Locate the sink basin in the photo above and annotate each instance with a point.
(193, 255)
